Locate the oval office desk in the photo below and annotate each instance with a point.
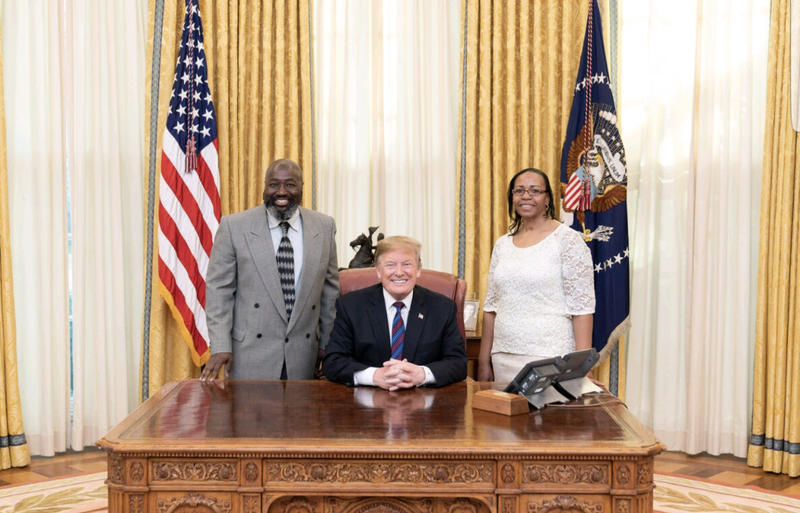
(321, 447)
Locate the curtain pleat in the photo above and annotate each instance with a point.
(775, 435)
(259, 74)
(104, 82)
(14, 450)
(386, 77)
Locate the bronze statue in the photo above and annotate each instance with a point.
(365, 254)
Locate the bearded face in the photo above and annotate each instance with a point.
(283, 191)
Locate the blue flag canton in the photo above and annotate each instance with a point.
(191, 110)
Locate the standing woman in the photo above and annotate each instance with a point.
(540, 300)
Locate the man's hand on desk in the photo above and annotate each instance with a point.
(396, 374)
(217, 362)
(318, 374)
(218, 389)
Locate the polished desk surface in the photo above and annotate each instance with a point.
(312, 416)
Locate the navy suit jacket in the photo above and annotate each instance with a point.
(360, 336)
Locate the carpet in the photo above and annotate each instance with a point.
(673, 494)
(80, 494)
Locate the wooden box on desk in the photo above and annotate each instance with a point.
(500, 402)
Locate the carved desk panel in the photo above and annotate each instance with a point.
(320, 447)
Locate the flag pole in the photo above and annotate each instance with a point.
(586, 191)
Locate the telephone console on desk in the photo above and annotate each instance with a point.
(557, 379)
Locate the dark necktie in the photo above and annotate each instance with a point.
(398, 332)
(285, 259)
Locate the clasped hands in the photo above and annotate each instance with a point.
(397, 374)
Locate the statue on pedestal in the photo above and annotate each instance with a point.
(365, 250)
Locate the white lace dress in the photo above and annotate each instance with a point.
(535, 291)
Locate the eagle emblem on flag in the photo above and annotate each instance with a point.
(601, 169)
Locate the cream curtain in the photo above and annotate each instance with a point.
(14, 451)
(71, 96)
(692, 107)
(258, 64)
(775, 435)
(105, 134)
(386, 78)
(37, 211)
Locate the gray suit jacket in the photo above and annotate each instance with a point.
(245, 310)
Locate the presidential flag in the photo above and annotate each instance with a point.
(189, 205)
(594, 185)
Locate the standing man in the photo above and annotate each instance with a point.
(396, 334)
(271, 285)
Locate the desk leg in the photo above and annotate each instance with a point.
(251, 503)
(508, 504)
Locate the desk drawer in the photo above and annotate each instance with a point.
(586, 476)
(391, 474)
(194, 470)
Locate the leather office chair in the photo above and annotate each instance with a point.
(444, 283)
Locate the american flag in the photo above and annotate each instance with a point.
(576, 195)
(189, 205)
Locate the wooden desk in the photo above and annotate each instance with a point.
(320, 447)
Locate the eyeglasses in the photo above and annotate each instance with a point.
(521, 191)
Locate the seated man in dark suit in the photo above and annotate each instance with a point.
(394, 334)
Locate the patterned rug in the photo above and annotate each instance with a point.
(81, 494)
(673, 494)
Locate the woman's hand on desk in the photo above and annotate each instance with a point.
(485, 372)
(597, 382)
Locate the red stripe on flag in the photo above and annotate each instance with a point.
(206, 175)
(572, 195)
(168, 280)
(187, 201)
(185, 255)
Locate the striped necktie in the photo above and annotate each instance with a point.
(398, 332)
(285, 259)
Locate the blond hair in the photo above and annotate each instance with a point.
(398, 242)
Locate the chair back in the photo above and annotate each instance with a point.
(447, 284)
